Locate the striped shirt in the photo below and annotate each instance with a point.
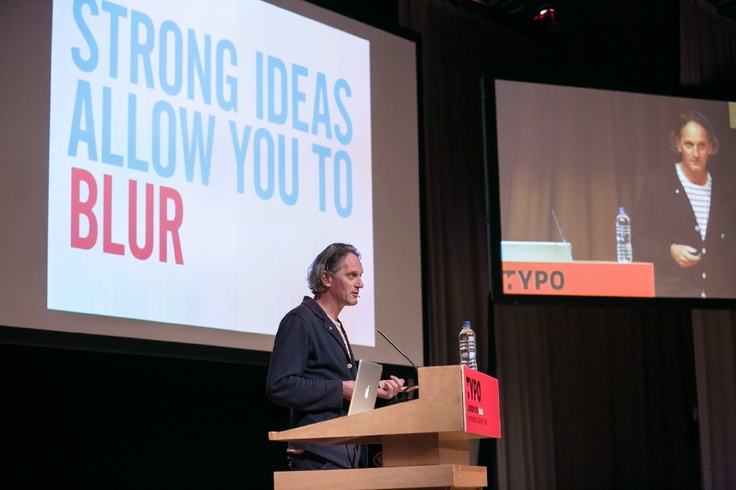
(699, 196)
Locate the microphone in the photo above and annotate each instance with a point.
(405, 357)
(397, 348)
(559, 230)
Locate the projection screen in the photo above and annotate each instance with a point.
(572, 160)
(170, 169)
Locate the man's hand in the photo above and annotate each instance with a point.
(684, 255)
(347, 389)
(389, 388)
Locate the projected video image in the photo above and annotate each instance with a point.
(615, 194)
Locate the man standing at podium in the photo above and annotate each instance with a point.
(312, 369)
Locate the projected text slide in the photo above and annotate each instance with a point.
(201, 154)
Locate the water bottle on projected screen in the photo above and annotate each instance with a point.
(623, 237)
(467, 346)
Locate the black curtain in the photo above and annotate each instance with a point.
(597, 398)
(592, 397)
(715, 360)
(707, 48)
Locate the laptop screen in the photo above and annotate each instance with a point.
(366, 387)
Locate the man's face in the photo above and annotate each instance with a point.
(345, 285)
(694, 146)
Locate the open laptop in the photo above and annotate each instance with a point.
(522, 251)
(366, 387)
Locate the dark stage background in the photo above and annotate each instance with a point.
(594, 396)
(83, 419)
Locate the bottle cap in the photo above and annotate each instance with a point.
(466, 323)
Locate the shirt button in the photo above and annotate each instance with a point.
(702, 295)
(704, 275)
(703, 250)
(350, 365)
(697, 228)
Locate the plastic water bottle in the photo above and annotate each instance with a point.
(623, 237)
(467, 346)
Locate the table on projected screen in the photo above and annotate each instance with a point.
(583, 278)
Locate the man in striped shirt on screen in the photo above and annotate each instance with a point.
(685, 221)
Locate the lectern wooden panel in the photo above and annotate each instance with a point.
(425, 441)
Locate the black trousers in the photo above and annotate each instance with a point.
(310, 461)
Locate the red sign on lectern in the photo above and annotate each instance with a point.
(481, 403)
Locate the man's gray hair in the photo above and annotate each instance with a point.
(328, 261)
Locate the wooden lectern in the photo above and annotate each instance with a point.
(425, 441)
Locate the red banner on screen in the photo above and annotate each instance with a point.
(579, 278)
